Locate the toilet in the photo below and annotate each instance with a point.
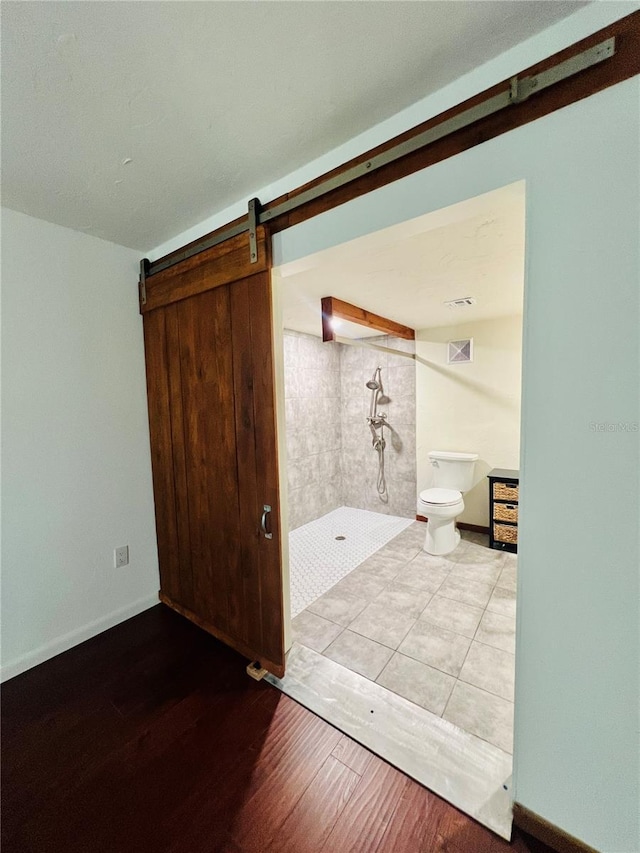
(443, 503)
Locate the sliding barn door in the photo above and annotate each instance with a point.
(210, 383)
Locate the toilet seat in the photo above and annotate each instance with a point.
(440, 497)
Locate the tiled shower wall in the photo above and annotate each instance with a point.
(312, 401)
(331, 462)
(359, 461)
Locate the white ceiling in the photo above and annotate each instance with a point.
(134, 121)
(407, 272)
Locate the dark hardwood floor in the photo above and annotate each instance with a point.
(151, 737)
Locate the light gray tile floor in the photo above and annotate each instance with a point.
(359, 654)
(453, 615)
(399, 596)
(497, 631)
(383, 624)
(318, 632)
(438, 631)
(503, 601)
(482, 714)
(422, 684)
(339, 607)
(507, 579)
(422, 577)
(466, 591)
(490, 669)
(436, 647)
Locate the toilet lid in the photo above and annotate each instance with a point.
(441, 497)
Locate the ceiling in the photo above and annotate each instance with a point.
(407, 272)
(134, 121)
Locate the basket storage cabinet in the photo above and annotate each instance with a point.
(503, 505)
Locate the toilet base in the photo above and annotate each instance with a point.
(442, 537)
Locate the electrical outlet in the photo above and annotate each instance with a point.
(121, 557)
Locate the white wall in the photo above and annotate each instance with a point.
(576, 738)
(76, 478)
(472, 407)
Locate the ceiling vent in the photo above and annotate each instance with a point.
(461, 303)
(459, 352)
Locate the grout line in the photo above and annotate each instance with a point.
(490, 692)
(379, 642)
(489, 646)
(431, 665)
(451, 631)
(458, 601)
(335, 639)
(446, 704)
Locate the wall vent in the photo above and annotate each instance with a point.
(459, 352)
(461, 303)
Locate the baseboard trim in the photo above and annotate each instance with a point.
(74, 638)
(473, 528)
(548, 833)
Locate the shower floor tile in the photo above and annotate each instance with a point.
(317, 560)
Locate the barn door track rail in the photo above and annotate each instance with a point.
(511, 94)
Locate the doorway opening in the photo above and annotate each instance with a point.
(403, 630)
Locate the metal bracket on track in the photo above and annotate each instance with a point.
(523, 88)
(254, 219)
(142, 282)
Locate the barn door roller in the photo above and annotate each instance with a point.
(254, 213)
(142, 282)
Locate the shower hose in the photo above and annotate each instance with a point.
(381, 485)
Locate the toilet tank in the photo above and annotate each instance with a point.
(452, 470)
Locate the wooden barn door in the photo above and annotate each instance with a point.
(210, 384)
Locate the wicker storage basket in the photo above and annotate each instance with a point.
(505, 492)
(505, 512)
(505, 533)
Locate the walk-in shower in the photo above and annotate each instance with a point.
(329, 396)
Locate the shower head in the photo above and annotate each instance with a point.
(373, 384)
